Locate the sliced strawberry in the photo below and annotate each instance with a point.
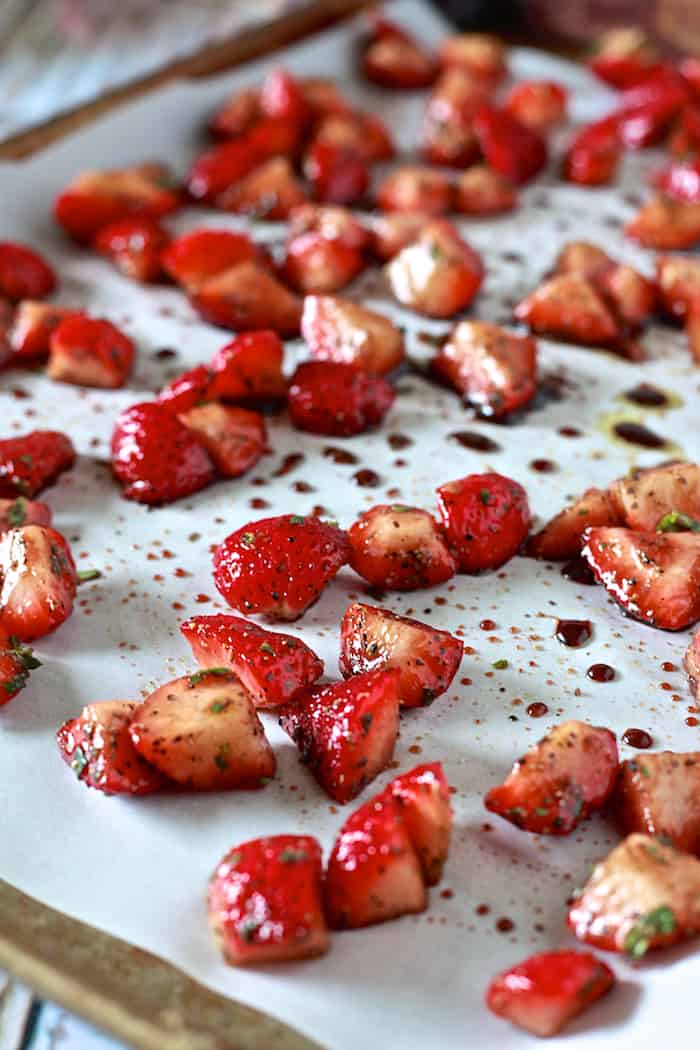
(16, 662)
(98, 748)
(269, 191)
(33, 461)
(631, 295)
(98, 198)
(560, 781)
(645, 497)
(538, 104)
(265, 901)
(624, 57)
(338, 174)
(393, 59)
(135, 247)
(480, 54)
(279, 566)
(235, 438)
(415, 189)
(282, 96)
(217, 169)
(582, 258)
(648, 108)
(373, 872)
(326, 397)
(346, 732)
(691, 662)
(24, 274)
(32, 327)
(516, 151)
(156, 457)
(644, 895)
(448, 127)
(438, 275)
(89, 351)
(202, 731)
(200, 254)
(37, 582)
(494, 370)
(593, 155)
(546, 991)
(666, 224)
(684, 139)
(678, 282)
(275, 668)
(17, 512)
(400, 548)
(331, 222)
(396, 230)
(692, 329)
(480, 191)
(568, 307)
(315, 263)
(237, 114)
(339, 330)
(372, 639)
(657, 794)
(324, 96)
(187, 390)
(486, 518)
(249, 369)
(361, 133)
(680, 181)
(423, 797)
(654, 577)
(562, 537)
(247, 297)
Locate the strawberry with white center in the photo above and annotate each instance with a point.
(400, 548)
(38, 581)
(339, 330)
(657, 794)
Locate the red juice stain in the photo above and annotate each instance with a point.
(166, 354)
(578, 571)
(475, 441)
(19, 393)
(487, 625)
(638, 434)
(647, 395)
(340, 455)
(289, 463)
(543, 466)
(668, 666)
(202, 598)
(691, 721)
(447, 894)
(366, 478)
(258, 503)
(570, 432)
(399, 441)
(303, 486)
(537, 710)
(601, 673)
(482, 909)
(504, 924)
(637, 738)
(573, 633)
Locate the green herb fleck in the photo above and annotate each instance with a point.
(17, 513)
(199, 676)
(485, 497)
(296, 519)
(27, 460)
(217, 706)
(222, 757)
(658, 922)
(398, 508)
(499, 665)
(267, 648)
(248, 928)
(677, 522)
(248, 539)
(264, 781)
(85, 575)
(293, 856)
(435, 252)
(541, 811)
(78, 761)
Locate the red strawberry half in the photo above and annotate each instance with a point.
(486, 518)
(33, 461)
(337, 399)
(37, 582)
(400, 548)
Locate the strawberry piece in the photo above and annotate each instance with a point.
(17, 512)
(346, 732)
(363, 134)
(247, 297)
(654, 577)
(480, 191)
(680, 181)
(24, 274)
(415, 189)
(691, 662)
(187, 390)
(624, 57)
(438, 275)
(644, 895)
(562, 537)
(324, 96)
(37, 582)
(678, 283)
(593, 155)
(237, 114)
(684, 140)
(373, 872)
(99, 198)
(692, 329)
(331, 222)
(568, 307)
(372, 639)
(338, 174)
(98, 748)
(249, 369)
(341, 331)
(326, 397)
(560, 781)
(217, 169)
(486, 518)
(156, 457)
(448, 127)
(279, 566)
(265, 901)
(33, 461)
(657, 794)
(493, 370)
(400, 548)
(269, 191)
(666, 224)
(423, 797)
(481, 55)
(275, 668)
(631, 295)
(16, 662)
(546, 991)
(511, 148)
(648, 108)
(200, 254)
(235, 438)
(538, 104)
(202, 731)
(395, 231)
(89, 351)
(645, 497)
(32, 327)
(135, 247)
(394, 59)
(581, 258)
(315, 263)
(282, 96)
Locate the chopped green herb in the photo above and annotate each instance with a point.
(217, 706)
(84, 575)
(398, 508)
(677, 522)
(248, 928)
(293, 856)
(267, 648)
(13, 685)
(222, 757)
(658, 922)
(199, 676)
(78, 761)
(248, 539)
(500, 665)
(264, 781)
(296, 519)
(366, 720)
(485, 497)
(17, 513)
(24, 654)
(27, 460)
(542, 811)
(435, 252)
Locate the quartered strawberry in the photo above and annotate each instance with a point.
(647, 109)
(657, 794)
(202, 731)
(156, 457)
(279, 566)
(373, 872)
(692, 329)
(32, 325)
(194, 257)
(486, 518)
(654, 576)
(216, 170)
(509, 147)
(265, 901)
(327, 397)
(249, 369)
(448, 126)
(20, 511)
(324, 96)
(237, 114)
(339, 330)
(582, 258)
(235, 438)
(568, 307)
(415, 189)
(438, 274)
(283, 96)
(678, 283)
(338, 174)
(98, 198)
(33, 461)
(560, 781)
(423, 797)
(98, 748)
(90, 351)
(538, 104)
(187, 390)
(593, 155)
(631, 295)
(394, 59)
(644, 895)
(481, 191)
(16, 662)
(480, 54)
(24, 274)
(331, 222)
(37, 582)
(135, 247)
(624, 57)
(646, 498)
(372, 639)
(275, 668)
(684, 139)
(680, 181)
(666, 224)
(361, 133)
(494, 370)
(315, 263)
(396, 230)
(247, 297)
(400, 548)
(546, 991)
(269, 191)
(562, 537)
(346, 732)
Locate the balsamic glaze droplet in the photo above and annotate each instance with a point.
(573, 633)
(637, 738)
(472, 439)
(601, 673)
(638, 434)
(578, 571)
(647, 395)
(340, 455)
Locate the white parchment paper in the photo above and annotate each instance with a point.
(138, 868)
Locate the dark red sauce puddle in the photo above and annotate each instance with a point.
(601, 673)
(573, 633)
(638, 434)
(637, 738)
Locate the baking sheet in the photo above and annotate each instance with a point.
(138, 868)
